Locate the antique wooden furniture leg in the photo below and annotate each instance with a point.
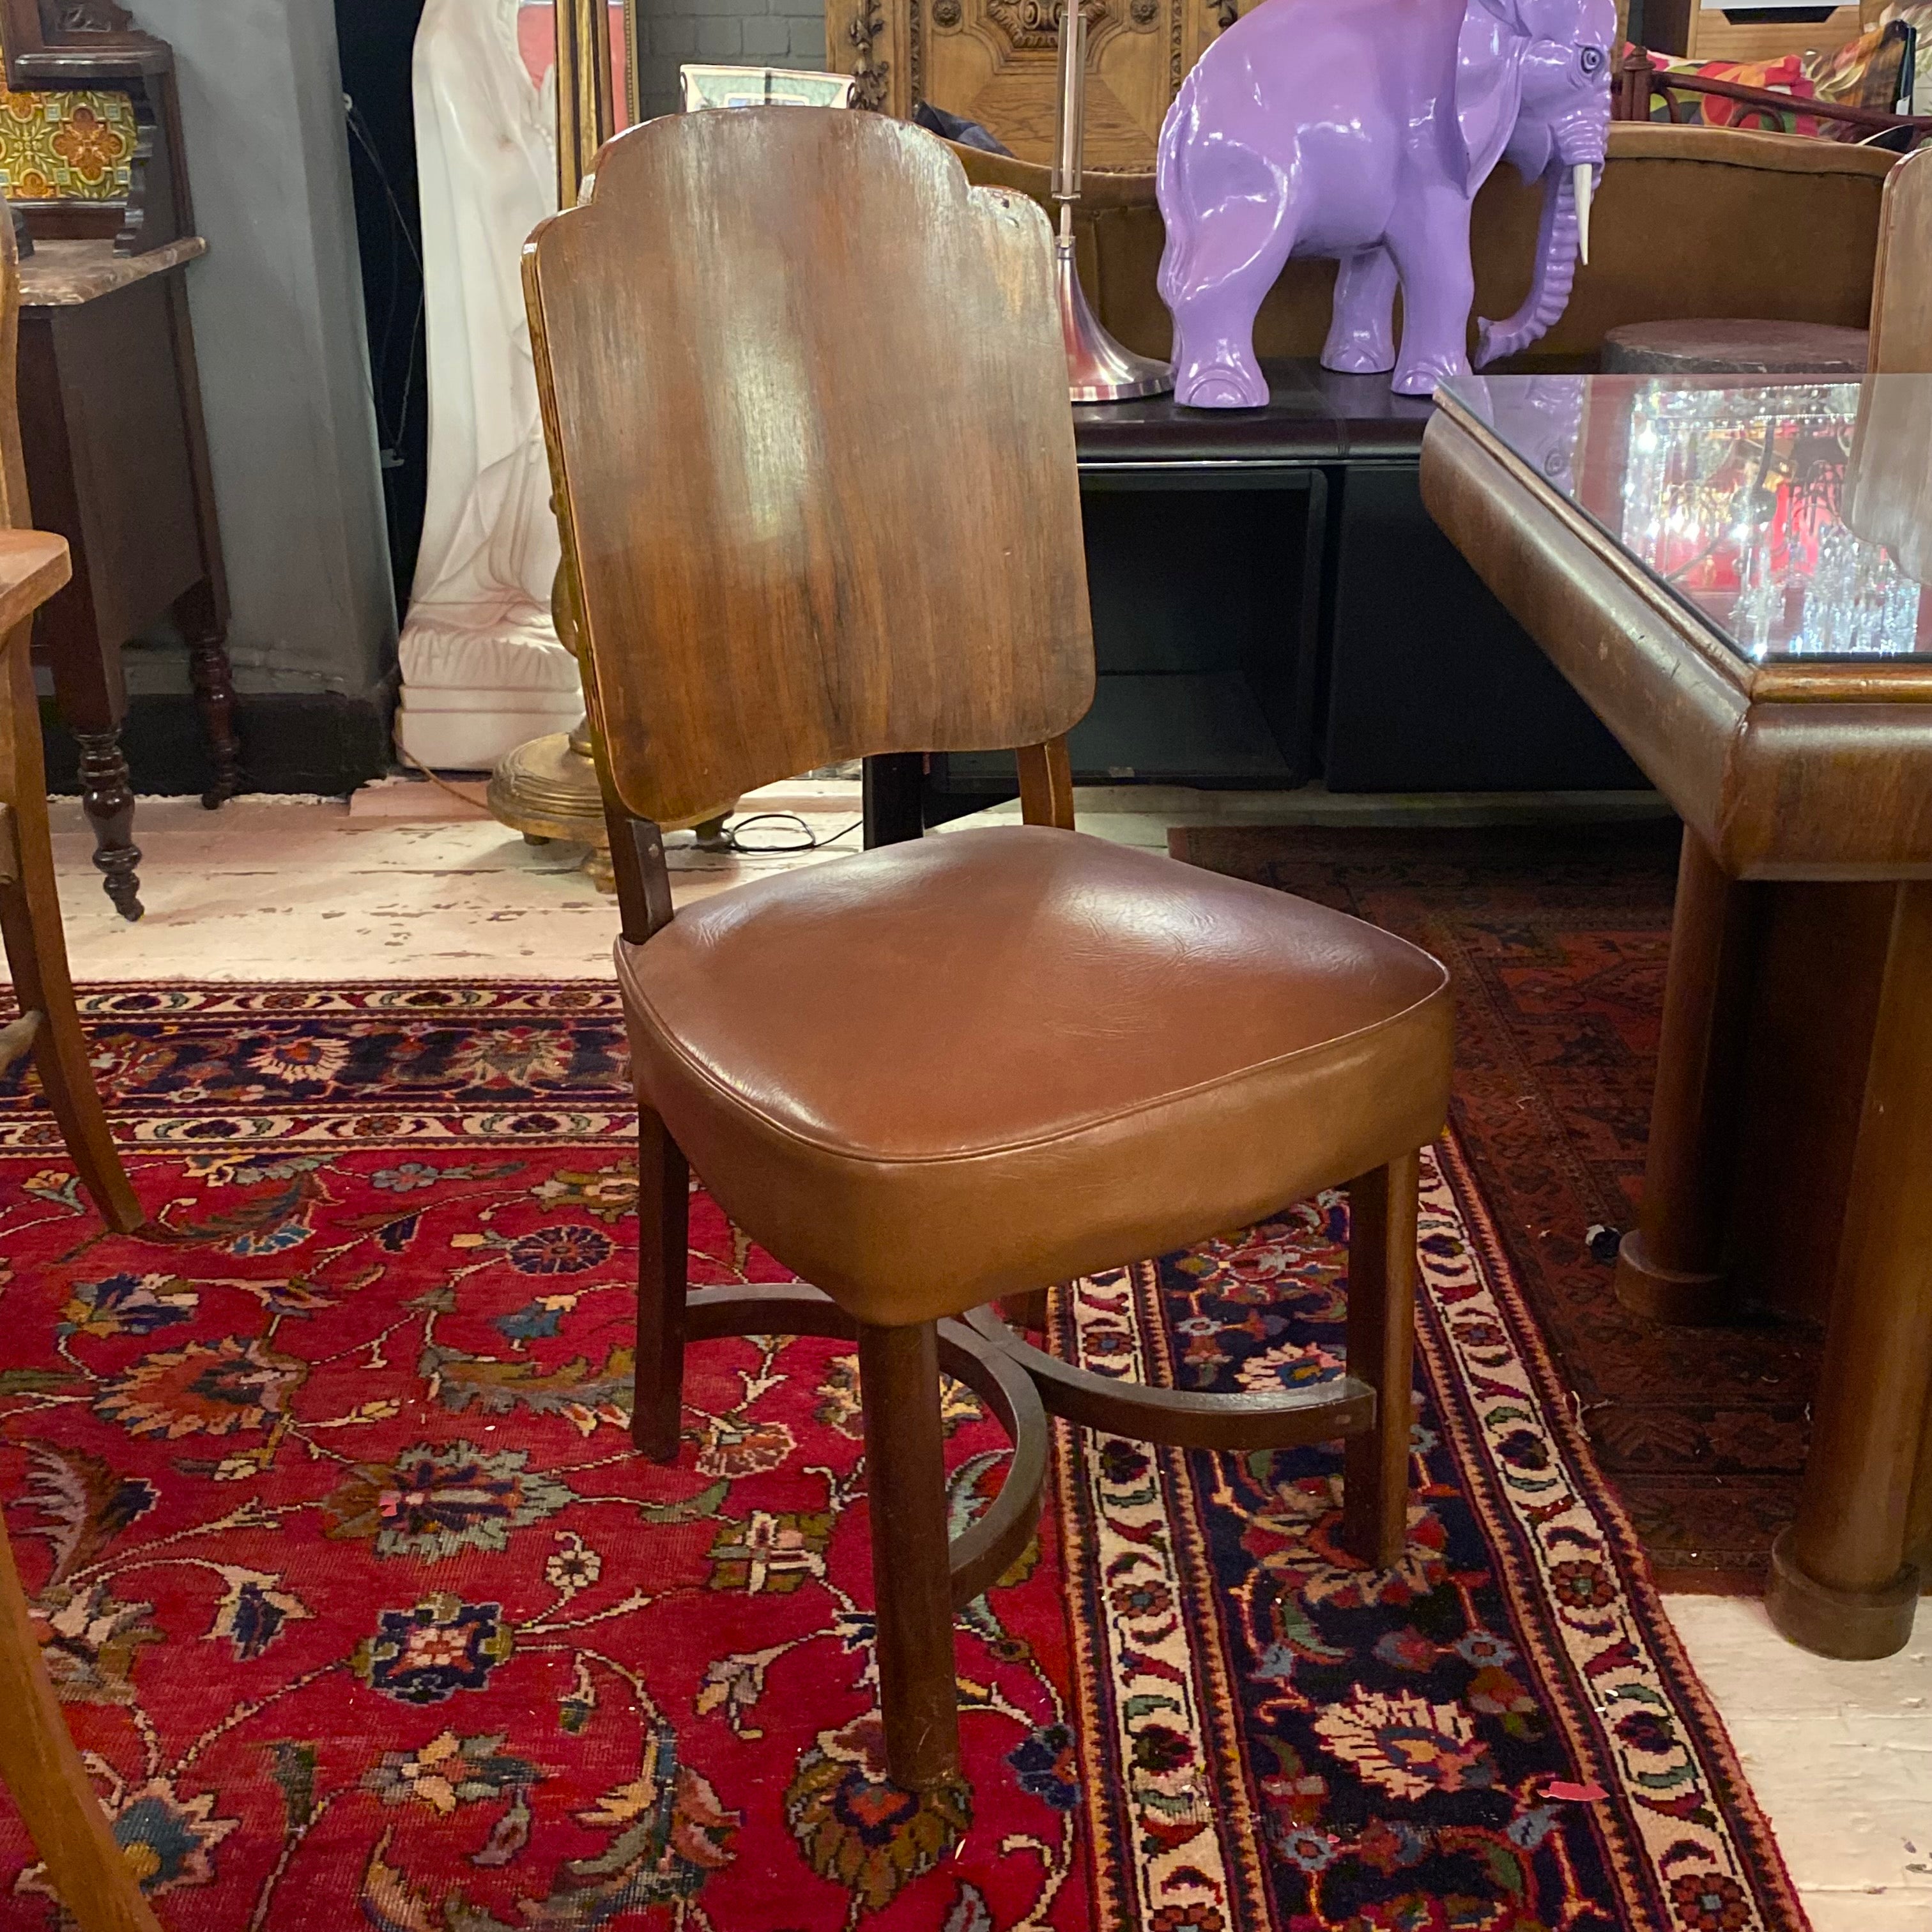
(30, 921)
(1671, 1267)
(198, 614)
(664, 1204)
(91, 694)
(107, 797)
(43, 1773)
(1382, 1351)
(1841, 1583)
(201, 612)
(905, 1480)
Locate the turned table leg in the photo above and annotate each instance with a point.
(90, 693)
(1671, 1265)
(107, 797)
(199, 616)
(1844, 1580)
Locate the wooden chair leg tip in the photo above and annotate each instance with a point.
(660, 1445)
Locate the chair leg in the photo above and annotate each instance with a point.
(1382, 1349)
(43, 1771)
(905, 1480)
(664, 1213)
(36, 948)
(1029, 1310)
(198, 613)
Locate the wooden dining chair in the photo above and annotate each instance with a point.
(806, 406)
(38, 1763)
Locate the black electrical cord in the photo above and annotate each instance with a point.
(392, 435)
(810, 842)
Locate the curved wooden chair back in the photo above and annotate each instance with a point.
(1901, 317)
(805, 401)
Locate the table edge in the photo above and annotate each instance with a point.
(1842, 681)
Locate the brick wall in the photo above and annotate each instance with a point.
(759, 33)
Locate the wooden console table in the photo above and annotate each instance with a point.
(117, 463)
(1731, 575)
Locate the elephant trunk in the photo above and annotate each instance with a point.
(1557, 244)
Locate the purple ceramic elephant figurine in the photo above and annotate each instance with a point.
(1360, 130)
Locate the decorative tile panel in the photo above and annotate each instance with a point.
(71, 145)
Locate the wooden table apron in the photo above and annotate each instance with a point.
(1790, 1155)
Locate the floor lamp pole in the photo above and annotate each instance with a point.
(1098, 369)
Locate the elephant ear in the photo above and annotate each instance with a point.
(1489, 88)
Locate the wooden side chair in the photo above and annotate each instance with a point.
(38, 1762)
(806, 406)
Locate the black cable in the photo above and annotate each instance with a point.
(811, 842)
(358, 130)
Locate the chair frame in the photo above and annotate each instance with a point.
(893, 206)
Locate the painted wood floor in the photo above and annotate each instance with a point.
(408, 883)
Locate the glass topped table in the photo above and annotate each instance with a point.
(1792, 520)
(1733, 576)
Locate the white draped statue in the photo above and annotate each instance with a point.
(482, 668)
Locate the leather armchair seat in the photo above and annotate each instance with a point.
(975, 1064)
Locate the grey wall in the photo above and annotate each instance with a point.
(279, 331)
(762, 33)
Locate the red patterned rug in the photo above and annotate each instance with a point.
(365, 1613)
(1557, 939)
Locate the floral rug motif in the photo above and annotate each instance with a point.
(364, 1611)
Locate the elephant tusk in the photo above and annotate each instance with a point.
(1584, 176)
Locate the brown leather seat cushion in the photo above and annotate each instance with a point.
(992, 1060)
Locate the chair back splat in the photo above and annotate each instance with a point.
(808, 522)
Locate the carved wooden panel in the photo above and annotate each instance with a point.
(993, 61)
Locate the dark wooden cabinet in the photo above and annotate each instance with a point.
(110, 421)
(1432, 685)
(115, 450)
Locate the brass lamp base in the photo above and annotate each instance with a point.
(547, 788)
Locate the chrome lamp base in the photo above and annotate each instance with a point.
(1098, 369)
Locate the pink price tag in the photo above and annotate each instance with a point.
(1575, 1794)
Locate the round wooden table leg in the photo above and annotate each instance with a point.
(1842, 1582)
(1671, 1266)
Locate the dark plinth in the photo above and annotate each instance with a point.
(1312, 417)
(1429, 685)
(1731, 347)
